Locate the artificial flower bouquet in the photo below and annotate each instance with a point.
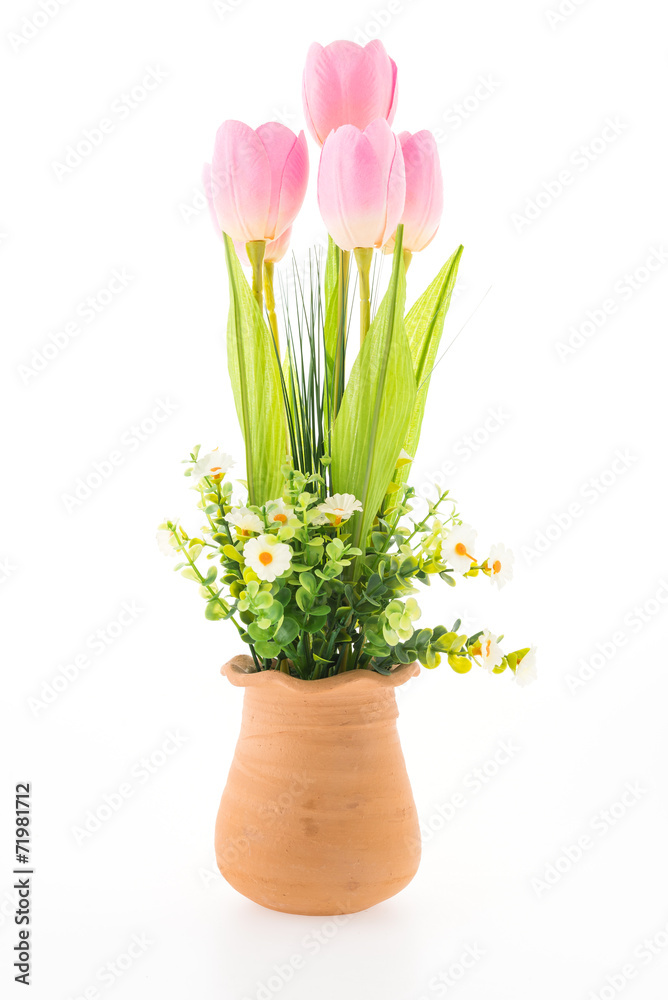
(316, 562)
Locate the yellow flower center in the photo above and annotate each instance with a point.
(265, 558)
(280, 517)
(487, 647)
(496, 566)
(460, 549)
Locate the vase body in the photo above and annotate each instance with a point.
(318, 816)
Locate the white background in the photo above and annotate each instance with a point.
(519, 96)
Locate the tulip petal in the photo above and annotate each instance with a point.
(241, 182)
(347, 84)
(385, 70)
(424, 189)
(390, 157)
(288, 160)
(351, 189)
(396, 193)
(277, 249)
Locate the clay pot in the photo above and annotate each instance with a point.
(318, 816)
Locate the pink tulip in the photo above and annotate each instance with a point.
(274, 251)
(348, 84)
(361, 185)
(257, 180)
(424, 191)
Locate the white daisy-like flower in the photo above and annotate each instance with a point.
(458, 547)
(245, 521)
(166, 542)
(490, 651)
(500, 562)
(279, 512)
(525, 672)
(339, 507)
(267, 557)
(214, 464)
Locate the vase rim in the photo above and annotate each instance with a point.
(241, 672)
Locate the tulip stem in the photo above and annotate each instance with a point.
(271, 302)
(364, 256)
(340, 358)
(255, 251)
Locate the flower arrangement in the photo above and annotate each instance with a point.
(317, 564)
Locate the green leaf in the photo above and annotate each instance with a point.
(257, 632)
(314, 625)
(214, 611)
(263, 600)
(232, 553)
(256, 385)
(210, 576)
(332, 276)
(381, 670)
(321, 611)
(460, 664)
(335, 326)
(190, 574)
(376, 408)
(308, 582)
(304, 599)
(267, 650)
(424, 327)
(288, 631)
(378, 540)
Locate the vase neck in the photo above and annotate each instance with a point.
(346, 706)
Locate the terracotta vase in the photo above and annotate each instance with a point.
(318, 816)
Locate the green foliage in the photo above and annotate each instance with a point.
(255, 377)
(424, 327)
(312, 619)
(323, 589)
(372, 422)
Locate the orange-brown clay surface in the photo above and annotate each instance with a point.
(318, 816)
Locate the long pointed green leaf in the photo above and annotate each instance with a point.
(256, 385)
(336, 296)
(372, 423)
(424, 327)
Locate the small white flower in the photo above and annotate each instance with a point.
(500, 562)
(317, 519)
(490, 651)
(458, 547)
(279, 513)
(267, 557)
(339, 507)
(525, 672)
(245, 521)
(215, 464)
(166, 542)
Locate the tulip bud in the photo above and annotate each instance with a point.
(424, 191)
(361, 185)
(348, 84)
(257, 180)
